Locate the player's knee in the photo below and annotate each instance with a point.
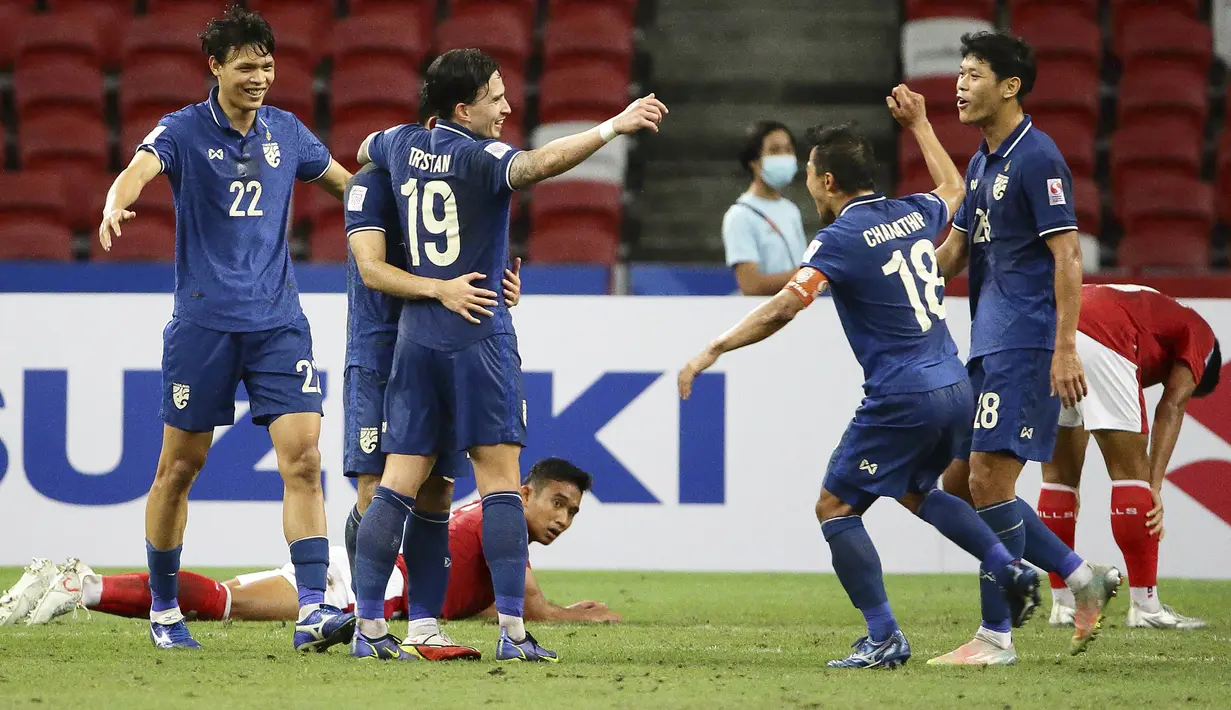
(177, 472)
(829, 506)
(302, 468)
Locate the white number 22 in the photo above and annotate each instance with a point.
(928, 272)
(311, 376)
(446, 225)
(240, 188)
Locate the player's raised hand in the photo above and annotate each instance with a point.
(512, 283)
(110, 226)
(907, 107)
(702, 362)
(461, 296)
(1154, 518)
(644, 113)
(1068, 379)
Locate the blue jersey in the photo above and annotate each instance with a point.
(372, 316)
(454, 195)
(232, 197)
(881, 265)
(1017, 197)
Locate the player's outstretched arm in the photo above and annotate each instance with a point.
(334, 180)
(564, 154)
(539, 609)
(910, 110)
(1178, 388)
(127, 187)
(458, 295)
(1068, 380)
(765, 320)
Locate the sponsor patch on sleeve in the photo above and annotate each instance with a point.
(812, 248)
(354, 200)
(498, 149)
(1055, 191)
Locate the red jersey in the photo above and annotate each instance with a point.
(1150, 329)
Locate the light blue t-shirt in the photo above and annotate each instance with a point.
(749, 237)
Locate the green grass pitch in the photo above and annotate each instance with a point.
(688, 641)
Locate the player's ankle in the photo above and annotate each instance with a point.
(1145, 599)
(1080, 577)
(514, 627)
(373, 628)
(421, 628)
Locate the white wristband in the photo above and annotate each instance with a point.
(606, 130)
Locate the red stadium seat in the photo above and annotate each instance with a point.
(588, 34)
(68, 143)
(1224, 177)
(10, 18)
(575, 221)
(1160, 147)
(77, 88)
(146, 238)
(299, 30)
(360, 40)
(524, 9)
(32, 222)
(327, 240)
(978, 9)
(347, 133)
(1080, 43)
(108, 17)
(961, 142)
(1088, 204)
(626, 8)
(357, 89)
(292, 91)
(68, 35)
(149, 91)
(940, 92)
(1074, 138)
(1167, 222)
(1024, 10)
(1064, 88)
(500, 32)
(159, 38)
(1124, 11)
(421, 12)
(591, 92)
(1164, 37)
(1165, 247)
(1146, 93)
(193, 13)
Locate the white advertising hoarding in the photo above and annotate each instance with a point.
(725, 482)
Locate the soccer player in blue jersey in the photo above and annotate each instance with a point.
(232, 163)
(376, 285)
(877, 258)
(456, 384)
(1018, 231)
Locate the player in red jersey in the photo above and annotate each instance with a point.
(1129, 338)
(551, 497)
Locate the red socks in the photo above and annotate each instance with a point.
(1058, 510)
(1130, 501)
(199, 596)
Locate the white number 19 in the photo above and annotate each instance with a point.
(928, 272)
(446, 225)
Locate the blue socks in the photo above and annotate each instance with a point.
(377, 544)
(352, 536)
(427, 562)
(504, 546)
(956, 520)
(1043, 548)
(1005, 519)
(164, 576)
(310, 556)
(859, 570)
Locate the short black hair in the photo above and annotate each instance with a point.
(1007, 55)
(554, 469)
(455, 77)
(235, 29)
(845, 152)
(1213, 371)
(754, 140)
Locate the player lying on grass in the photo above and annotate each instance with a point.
(1129, 338)
(552, 496)
(877, 257)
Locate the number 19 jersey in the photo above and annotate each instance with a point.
(880, 262)
(453, 194)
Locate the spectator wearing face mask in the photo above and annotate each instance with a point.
(763, 232)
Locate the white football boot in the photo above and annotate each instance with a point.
(1164, 618)
(1061, 615)
(64, 593)
(17, 602)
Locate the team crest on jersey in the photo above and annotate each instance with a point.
(368, 436)
(1000, 185)
(273, 156)
(179, 394)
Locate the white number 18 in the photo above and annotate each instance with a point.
(928, 273)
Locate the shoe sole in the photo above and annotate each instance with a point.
(443, 653)
(343, 634)
(542, 659)
(1031, 605)
(25, 604)
(1079, 645)
(886, 666)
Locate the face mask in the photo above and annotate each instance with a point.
(778, 170)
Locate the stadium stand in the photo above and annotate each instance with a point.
(32, 220)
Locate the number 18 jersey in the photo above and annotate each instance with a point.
(453, 194)
(880, 262)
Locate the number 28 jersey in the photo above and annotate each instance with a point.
(453, 194)
(880, 262)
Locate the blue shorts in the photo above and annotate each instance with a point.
(364, 414)
(441, 401)
(899, 444)
(1016, 413)
(201, 368)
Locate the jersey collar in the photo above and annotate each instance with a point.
(452, 127)
(220, 118)
(862, 200)
(1011, 142)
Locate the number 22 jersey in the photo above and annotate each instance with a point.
(880, 262)
(453, 195)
